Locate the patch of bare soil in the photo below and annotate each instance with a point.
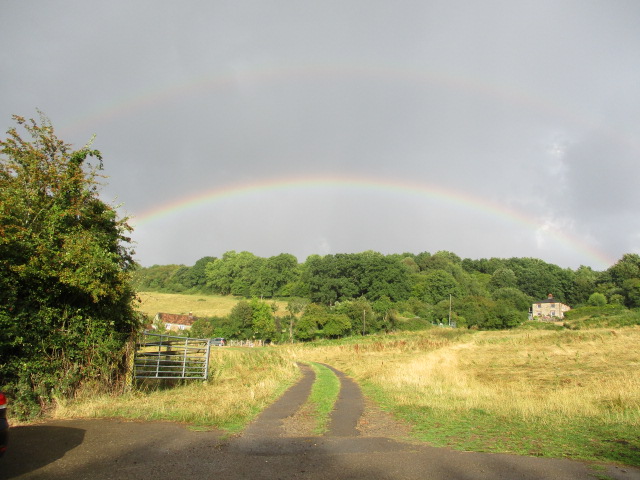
(300, 424)
(376, 422)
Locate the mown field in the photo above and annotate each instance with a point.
(552, 393)
(199, 305)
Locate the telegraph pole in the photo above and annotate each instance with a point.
(364, 321)
(449, 309)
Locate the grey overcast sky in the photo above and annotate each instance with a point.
(490, 129)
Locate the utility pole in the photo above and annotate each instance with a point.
(449, 309)
(364, 321)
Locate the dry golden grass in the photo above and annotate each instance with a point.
(517, 373)
(241, 383)
(199, 305)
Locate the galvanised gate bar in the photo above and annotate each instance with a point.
(167, 356)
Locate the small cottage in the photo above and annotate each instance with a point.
(548, 309)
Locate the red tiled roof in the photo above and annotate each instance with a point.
(176, 319)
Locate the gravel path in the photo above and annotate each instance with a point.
(362, 443)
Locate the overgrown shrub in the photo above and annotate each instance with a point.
(66, 301)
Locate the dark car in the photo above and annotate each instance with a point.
(218, 342)
(4, 425)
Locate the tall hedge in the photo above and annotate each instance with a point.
(66, 301)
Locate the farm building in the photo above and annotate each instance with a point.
(174, 321)
(548, 309)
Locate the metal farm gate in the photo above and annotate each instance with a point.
(166, 356)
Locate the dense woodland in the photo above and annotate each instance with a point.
(336, 295)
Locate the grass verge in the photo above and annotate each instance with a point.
(242, 382)
(324, 394)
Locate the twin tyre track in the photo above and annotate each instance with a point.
(344, 418)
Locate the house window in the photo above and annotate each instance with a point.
(539, 305)
(553, 313)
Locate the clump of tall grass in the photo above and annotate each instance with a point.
(241, 383)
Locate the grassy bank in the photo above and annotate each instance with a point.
(542, 393)
(242, 383)
(324, 394)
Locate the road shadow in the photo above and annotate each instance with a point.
(35, 446)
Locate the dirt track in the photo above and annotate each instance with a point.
(270, 448)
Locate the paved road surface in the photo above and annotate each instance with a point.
(114, 449)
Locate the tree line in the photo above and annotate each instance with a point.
(342, 294)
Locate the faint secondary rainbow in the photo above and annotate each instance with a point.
(259, 76)
(449, 196)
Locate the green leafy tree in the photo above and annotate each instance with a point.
(503, 278)
(241, 320)
(235, 273)
(264, 325)
(537, 278)
(625, 277)
(435, 286)
(196, 277)
(360, 313)
(631, 288)
(387, 313)
(294, 307)
(307, 327)
(66, 295)
(625, 268)
(597, 300)
(154, 279)
(336, 325)
(513, 297)
(274, 274)
(584, 284)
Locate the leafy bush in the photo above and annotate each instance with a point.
(537, 325)
(594, 311)
(412, 324)
(66, 301)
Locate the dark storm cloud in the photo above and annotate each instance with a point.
(532, 106)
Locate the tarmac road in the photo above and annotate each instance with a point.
(116, 449)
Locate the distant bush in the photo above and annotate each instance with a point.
(412, 324)
(626, 319)
(597, 299)
(537, 325)
(594, 311)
